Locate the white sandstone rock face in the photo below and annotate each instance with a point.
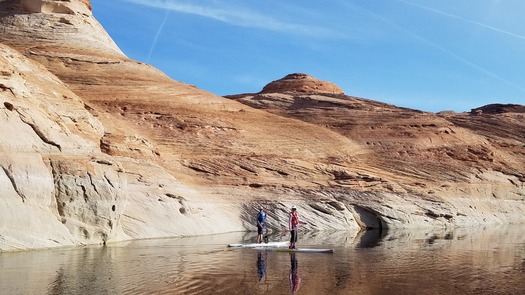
(40, 107)
(27, 215)
(90, 196)
(45, 132)
(61, 7)
(57, 22)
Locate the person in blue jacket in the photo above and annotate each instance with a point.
(261, 224)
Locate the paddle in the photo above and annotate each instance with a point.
(286, 230)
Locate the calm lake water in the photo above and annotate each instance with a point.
(464, 261)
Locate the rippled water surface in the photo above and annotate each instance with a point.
(466, 261)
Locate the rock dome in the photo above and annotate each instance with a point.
(302, 83)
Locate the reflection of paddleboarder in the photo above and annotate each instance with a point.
(261, 265)
(294, 278)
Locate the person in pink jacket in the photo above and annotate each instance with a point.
(293, 225)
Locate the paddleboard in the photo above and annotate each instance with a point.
(260, 245)
(307, 250)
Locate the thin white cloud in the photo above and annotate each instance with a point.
(236, 16)
(159, 31)
(441, 48)
(464, 19)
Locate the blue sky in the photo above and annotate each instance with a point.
(427, 55)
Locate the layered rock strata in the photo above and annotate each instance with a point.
(301, 83)
(99, 148)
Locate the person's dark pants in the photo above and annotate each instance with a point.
(293, 236)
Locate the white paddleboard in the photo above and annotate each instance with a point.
(260, 245)
(307, 250)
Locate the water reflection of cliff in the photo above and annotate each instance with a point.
(460, 261)
(440, 261)
(87, 272)
(417, 238)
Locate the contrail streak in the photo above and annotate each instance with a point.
(464, 19)
(154, 43)
(239, 17)
(462, 59)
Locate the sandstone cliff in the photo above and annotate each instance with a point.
(98, 148)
